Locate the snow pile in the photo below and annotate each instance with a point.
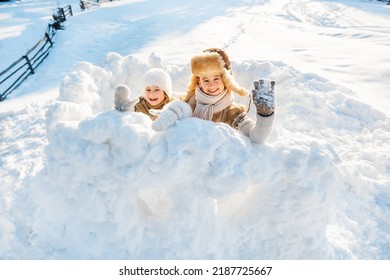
(22, 156)
(79, 180)
(114, 188)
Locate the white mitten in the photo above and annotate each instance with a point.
(124, 101)
(172, 112)
(264, 97)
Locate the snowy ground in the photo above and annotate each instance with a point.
(82, 181)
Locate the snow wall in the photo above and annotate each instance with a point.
(113, 188)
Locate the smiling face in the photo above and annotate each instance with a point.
(211, 85)
(154, 95)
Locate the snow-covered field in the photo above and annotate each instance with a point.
(80, 180)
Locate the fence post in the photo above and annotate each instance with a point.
(70, 10)
(82, 6)
(62, 13)
(29, 64)
(48, 38)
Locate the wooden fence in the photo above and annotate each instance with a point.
(88, 4)
(20, 70)
(62, 13)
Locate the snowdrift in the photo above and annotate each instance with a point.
(112, 188)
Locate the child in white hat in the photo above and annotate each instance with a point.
(210, 97)
(156, 93)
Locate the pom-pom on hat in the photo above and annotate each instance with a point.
(213, 62)
(158, 77)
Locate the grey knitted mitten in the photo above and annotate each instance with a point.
(121, 101)
(264, 97)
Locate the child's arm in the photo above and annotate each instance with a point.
(171, 112)
(264, 100)
(257, 131)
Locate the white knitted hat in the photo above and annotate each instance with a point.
(158, 77)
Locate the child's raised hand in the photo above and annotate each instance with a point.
(264, 97)
(172, 112)
(124, 101)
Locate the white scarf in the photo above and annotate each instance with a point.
(208, 105)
